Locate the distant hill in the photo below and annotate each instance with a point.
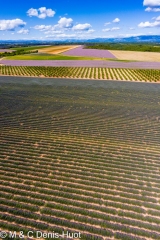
(143, 39)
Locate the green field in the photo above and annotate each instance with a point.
(81, 156)
(59, 57)
(30, 48)
(48, 57)
(140, 47)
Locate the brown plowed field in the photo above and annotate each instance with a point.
(56, 49)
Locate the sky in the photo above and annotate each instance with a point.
(83, 19)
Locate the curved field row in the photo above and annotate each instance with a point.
(84, 73)
(81, 156)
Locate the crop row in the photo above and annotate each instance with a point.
(79, 208)
(86, 185)
(44, 223)
(80, 155)
(89, 162)
(84, 73)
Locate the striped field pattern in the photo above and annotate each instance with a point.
(81, 156)
(148, 75)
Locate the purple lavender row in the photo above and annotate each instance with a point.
(6, 50)
(82, 63)
(80, 51)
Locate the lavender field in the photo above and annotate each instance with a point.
(80, 156)
(82, 63)
(5, 50)
(80, 51)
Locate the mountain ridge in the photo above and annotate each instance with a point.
(133, 39)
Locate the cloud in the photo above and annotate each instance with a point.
(11, 24)
(131, 28)
(65, 23)
(32, 12)
(106, 29)
(43, 27)
(151, 3)
(116, 20)
(131, 35)
(115, 28)
(90, 31)
(23, 31)
(46, 12)
(82, 27)
(53, 32)
(111, 29)
(149, 24)
(107, 23)
(41, 12)
(149, 9)
(63, 35)
(153, 6)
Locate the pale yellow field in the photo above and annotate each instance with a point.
(56, 49)
(136, 56)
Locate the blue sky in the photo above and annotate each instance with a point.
(50, 20)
